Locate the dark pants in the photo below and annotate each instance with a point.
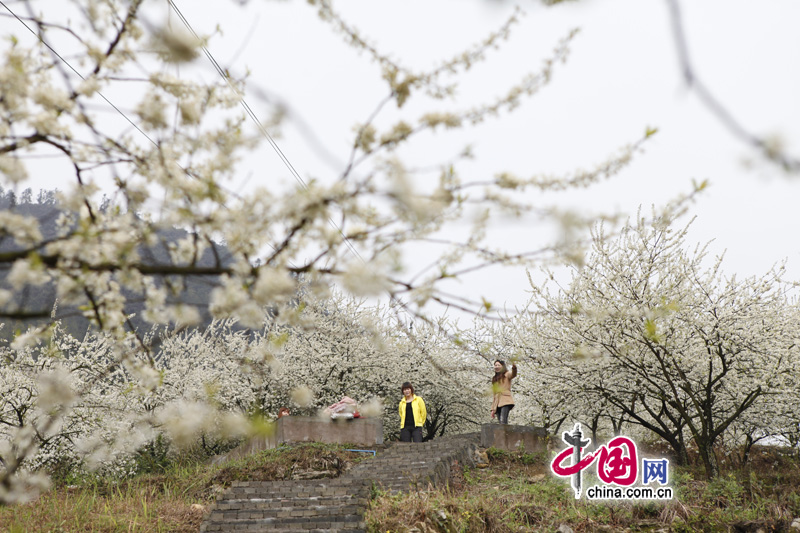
(502, 413)
(409, 434)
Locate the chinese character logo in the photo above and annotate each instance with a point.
(617, 464)
(654, 470)
(617, 460)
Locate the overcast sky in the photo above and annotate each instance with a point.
(622, 77)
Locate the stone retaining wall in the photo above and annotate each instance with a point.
(512, 438)
(367, 432)
(360, 431)
(339, 504)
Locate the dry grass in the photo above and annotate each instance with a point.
(81, 510)
(314, 460)
(174, 501)
(517, 493)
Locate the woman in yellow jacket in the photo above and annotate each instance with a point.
(411, 420)
(503, 402)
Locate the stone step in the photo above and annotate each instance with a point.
(289, 522)
(315, 527)
(337, 504)
(396, 468)
(411, 456)
(277, 529)
(278, 504)
(288, 514)
(404, 447)
(291, 492)
(403, 465)
(328, 523)
(393, 458)
(300, 483)
(335, 528)
(380, 471)
(295, 489)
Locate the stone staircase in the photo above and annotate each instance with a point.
(414, 466)
(339, 504)
(318, 505)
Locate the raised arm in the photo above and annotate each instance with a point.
(511, 374)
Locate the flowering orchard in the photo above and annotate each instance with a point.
(652, 339)
(72, 407)
(91, 87)
(345, 347)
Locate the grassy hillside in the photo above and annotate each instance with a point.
(514, 493)
(173, 497)
(517, 493)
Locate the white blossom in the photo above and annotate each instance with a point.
(27, 272)
(12, 169)
(151, 111)
(177, 45)
(273, 285)
(302, 396)
(364, 279)
(25, 230)
(178, 176)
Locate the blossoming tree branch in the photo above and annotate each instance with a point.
(90, 87)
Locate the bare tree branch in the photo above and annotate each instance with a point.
(765, 146)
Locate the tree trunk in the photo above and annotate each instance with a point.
(678, 446)
(709, 460)
(748, 446)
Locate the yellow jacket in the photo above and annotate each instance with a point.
(418, 407)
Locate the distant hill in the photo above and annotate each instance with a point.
(46, 210)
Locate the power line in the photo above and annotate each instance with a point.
(222, 72)
(153, 142)
(53, 51)
(248, 110)
(83, 78)
(243, 102)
